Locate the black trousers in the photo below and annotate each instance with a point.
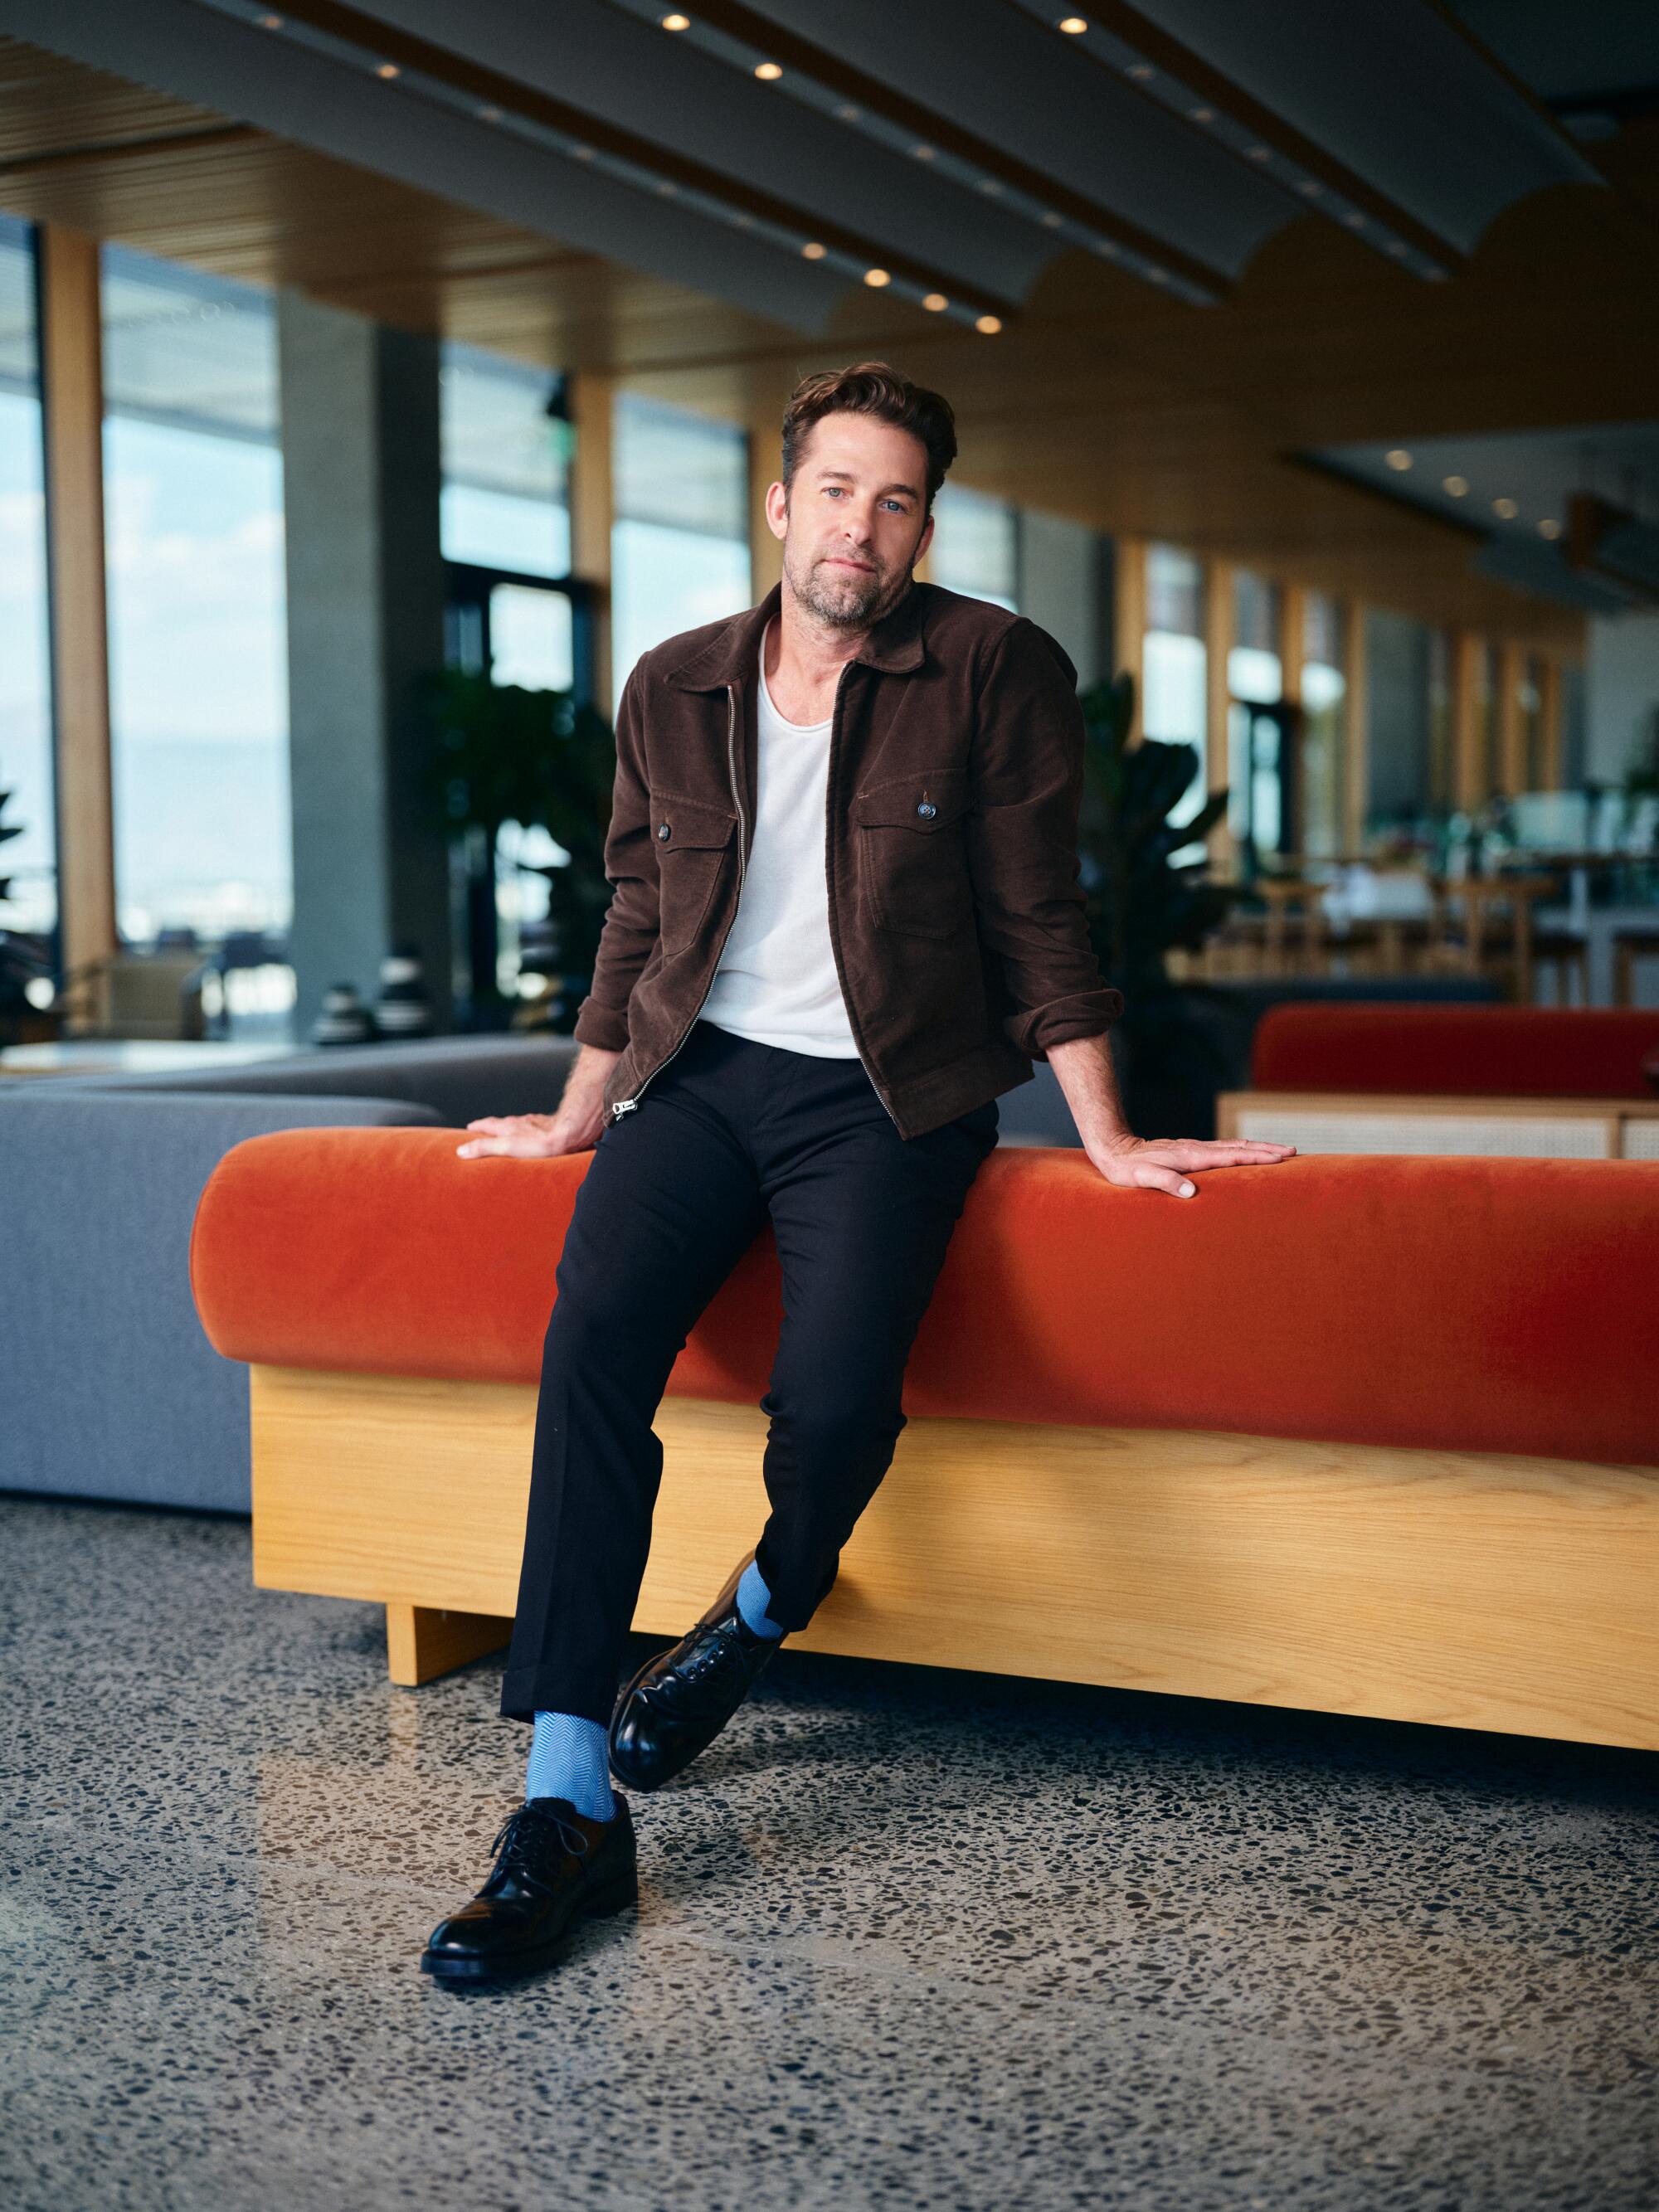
(727, 1132)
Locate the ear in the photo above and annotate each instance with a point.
(777, 510)
(924, 540)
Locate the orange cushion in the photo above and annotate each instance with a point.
(1498, 1304)
(1511, 1052)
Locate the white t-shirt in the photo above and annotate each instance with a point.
(776, 982)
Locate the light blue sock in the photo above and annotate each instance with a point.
(753, 1598)
(569, 1757)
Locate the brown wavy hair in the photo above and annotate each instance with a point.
(871, 387)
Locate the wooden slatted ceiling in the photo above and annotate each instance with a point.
(1101, 401)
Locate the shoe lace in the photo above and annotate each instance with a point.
(521, 1841)
(717, 1653)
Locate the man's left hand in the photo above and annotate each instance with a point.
(1170, 1163)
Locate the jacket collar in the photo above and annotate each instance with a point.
(895, 645)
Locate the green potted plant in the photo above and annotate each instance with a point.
(501, 753)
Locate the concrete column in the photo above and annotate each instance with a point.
(1062, 588)
(365, 620)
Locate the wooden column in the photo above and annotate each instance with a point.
(73, 393)
(1129, 620)
(1549, 714)
(1468, 764)
(764, 422)
(1218, 697)
(1290, 641)
(1511, 722)
(1356, 726)
(592, 509)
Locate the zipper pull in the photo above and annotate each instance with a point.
(623, 1106)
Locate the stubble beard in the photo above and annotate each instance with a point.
(840, 599)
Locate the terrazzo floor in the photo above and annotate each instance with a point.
(905, 1939)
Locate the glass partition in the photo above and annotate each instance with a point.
(679, 543)
(975, 546)
(29, 861)
(198, 690)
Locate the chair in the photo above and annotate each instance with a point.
(1631, 941)
(1566, 953)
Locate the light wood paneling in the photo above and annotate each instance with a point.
(1464, 1588)
(72, 377)
(592, 510)
(1510, 675)
(1468, 732)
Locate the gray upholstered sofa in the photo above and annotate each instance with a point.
(111, 1390)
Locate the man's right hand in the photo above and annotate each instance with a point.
(576, 1128)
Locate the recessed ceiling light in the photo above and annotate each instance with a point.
(1258, 153)
(271, 22)
(1549, 528)
(991, 186)
(875, 278)
(489, 114)
(1354, 220)
(767, 72)
(1159, 275)
(988, 326)
(812, 250)
(1201, 114)
(1399, 459)
(1051, 219)
(388, 70)
(1506, 508)
(1311, 186)
(1397, 248)
(849, 113)
(667, 187)
(1455, 487)
(1108, 247)
(584, 152)
(677, 23)
(935, 302)
(923, 153)
(1074, 26)
(1140, 71)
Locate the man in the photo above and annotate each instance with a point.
(843, 848)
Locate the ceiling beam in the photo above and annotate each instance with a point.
(490, 88)
(930, 128)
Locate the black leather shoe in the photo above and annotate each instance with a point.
(679, 1701)
(554, 1867)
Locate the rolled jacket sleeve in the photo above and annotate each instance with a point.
(1025, 792)
(630, 934)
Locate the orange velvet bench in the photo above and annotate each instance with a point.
(1365, 1435)
(1532, 1081)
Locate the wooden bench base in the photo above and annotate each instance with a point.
(1464, 1588)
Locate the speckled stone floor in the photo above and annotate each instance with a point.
(905, 1939)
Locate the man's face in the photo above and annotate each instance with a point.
(852, 522)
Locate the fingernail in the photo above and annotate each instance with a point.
(1187, 1190)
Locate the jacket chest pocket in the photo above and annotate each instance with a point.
(692, 841)
(910, 853)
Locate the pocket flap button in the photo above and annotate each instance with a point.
(926, 809)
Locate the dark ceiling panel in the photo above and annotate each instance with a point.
(638, 77)
(199, 55)
(995, 72)
(1392, 88)
(1564, 53)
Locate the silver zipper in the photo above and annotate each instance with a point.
(629, 1105)
(852, 1022)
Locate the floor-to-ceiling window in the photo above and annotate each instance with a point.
(512, 611)
(679, 543)
(975, 546)
(1324, 688)
(1256, 721)
(1173, 706)
(29, 859)
(198, 694)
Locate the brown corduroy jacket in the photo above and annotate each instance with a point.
(956, 774)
